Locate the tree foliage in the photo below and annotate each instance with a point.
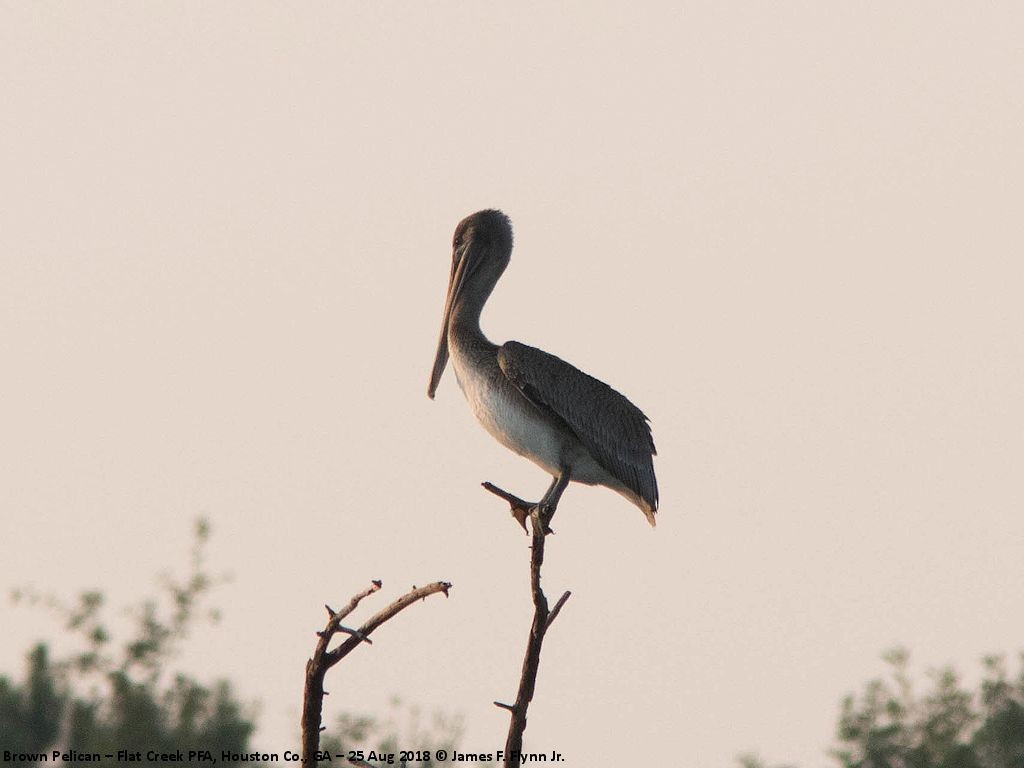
(890, 725)
(107, 696)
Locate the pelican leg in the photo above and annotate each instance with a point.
(547, 505)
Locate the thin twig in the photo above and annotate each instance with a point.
(355, 633)
(323, 659)
(542, 618)
(554, 611)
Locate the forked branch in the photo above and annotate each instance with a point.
(323, 659)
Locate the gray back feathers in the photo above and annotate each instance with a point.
(615, 431)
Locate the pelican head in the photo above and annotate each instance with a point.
(481, 249)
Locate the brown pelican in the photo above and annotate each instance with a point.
(570, 424)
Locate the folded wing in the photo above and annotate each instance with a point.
(616, 432)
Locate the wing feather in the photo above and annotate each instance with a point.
(616, 432)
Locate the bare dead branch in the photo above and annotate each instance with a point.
(323, 659)
(520, 509)
(542, 618)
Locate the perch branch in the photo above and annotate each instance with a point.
(520, 509)
(542, 619)
(323, 659)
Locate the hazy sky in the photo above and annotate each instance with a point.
(790, 232)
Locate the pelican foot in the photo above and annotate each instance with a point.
(521, 509)
(544, 513)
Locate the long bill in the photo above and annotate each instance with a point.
(455, 283)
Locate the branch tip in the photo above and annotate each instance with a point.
(557, 608)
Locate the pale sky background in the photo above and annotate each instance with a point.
(791, 232)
